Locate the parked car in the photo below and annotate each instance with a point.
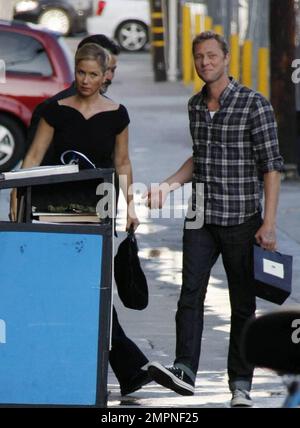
(64, 16)
(37, 66)
(127, 21)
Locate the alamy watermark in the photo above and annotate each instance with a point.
(2, 71)
(296, 333)
(296, 72)
(187, 205)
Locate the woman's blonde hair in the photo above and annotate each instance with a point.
(94, 52)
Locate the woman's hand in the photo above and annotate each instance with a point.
(132, 222)
(13, 205)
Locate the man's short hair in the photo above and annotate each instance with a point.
(211, 35)
(94, 52)
(103, 41)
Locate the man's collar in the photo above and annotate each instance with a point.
(230, 88)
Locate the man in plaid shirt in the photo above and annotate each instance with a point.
(236, 157)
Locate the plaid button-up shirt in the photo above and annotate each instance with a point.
(232, 151)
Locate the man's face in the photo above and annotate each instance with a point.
(210, 61)
(110, 73)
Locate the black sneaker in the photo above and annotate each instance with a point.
(172, 378)
(241, 398)
(136, 383)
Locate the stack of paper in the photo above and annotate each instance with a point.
(66, 217)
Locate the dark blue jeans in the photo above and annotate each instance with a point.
(201, 248)
(125, 358)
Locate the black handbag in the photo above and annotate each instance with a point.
(129, 277)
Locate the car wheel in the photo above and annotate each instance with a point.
(12, 143)
(56, 19)
(132, 35)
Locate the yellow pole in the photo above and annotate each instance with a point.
(187, 60)
(198, 83)
(198, 24)
(263, 72)
(247, 63)
(219, 29)
(234, 66)
(208, 23)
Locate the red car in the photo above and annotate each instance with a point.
(34, 65)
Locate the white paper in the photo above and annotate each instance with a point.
(273, 268)
(39, 171)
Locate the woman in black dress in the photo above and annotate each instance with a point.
(94, 125)
(87, 122)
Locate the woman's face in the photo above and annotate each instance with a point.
(89, 77)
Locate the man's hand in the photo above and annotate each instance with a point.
(156, 196)
(266, 237)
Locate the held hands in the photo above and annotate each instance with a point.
(266, 237)
(156, 196)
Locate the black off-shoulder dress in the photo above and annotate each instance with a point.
(95, 137)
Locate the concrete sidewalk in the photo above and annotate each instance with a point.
(160, 142)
